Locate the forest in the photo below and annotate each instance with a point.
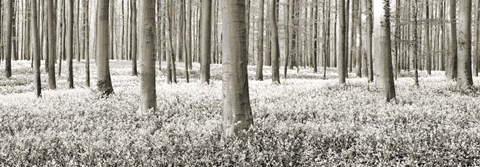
(239, 83)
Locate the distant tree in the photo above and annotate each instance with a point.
(8, 37)
(383, 54)
(274, 41)
(259, 71)
(104, 82)
(147, 51)
(237, 113)
(415, 41)
(36, 48)
(51, 44)
(205, 40)
(69, 43)
(464, 80)
(341, 43)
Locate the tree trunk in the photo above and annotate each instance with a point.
(69, 42)
(36, 49)
(464, 65)
(369, 40)
(86, 42)
(133, 22)
(275, 45)
(452, 66)
(259, 71)
(237, 113)
(205, 41)
(104, 82)
(428, 51)
(8, 38)
(51, 45)
(415, 41)
(341, 44)
(147, 49)
(383, 54)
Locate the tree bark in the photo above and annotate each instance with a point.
(259, 71)
(237, 113)
(205, 41)
(133, 22)
(8, 38)
(275, 45)
(36, 49)
(383, 54)
(341, 45)
(69, 42)
(104, 82)
(453, 70)
(147, 49)
(464, 80)
(51, 45)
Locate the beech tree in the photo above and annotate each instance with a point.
(382, 53)
(205, 41)
(464, 80)
(147, 51)
(237, 113)
(51, 45)
(36, 49)
(452, 63)
(69, 43)
(259, 71)
(8, 38)
(274, 41)
(104, 82)
(341, 43)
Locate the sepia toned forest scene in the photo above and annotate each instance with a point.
(239, 83)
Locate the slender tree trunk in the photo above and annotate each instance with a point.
(341, 44)
(51, 45)
(86, 42)
(133, 22)
(69, 42)
(415, 40)
(453, 45)
(259, 71)
(275, 45)
(104, 82)
(237, 113)
(8, 38)
(369, 40)
(428, 41)
(464, 64)
(36, 49)
(147, 49)
(205, 41)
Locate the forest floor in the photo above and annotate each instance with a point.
(305, 121)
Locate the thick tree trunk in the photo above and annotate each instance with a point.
(415, 41)
(464, 64)
(369, 40)
(147, 49)
(205, 41)
(274, 41)
(69, 42)
(259, 71)
(428, 51)
(383, 54)
(104, 82)
(237, 113)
